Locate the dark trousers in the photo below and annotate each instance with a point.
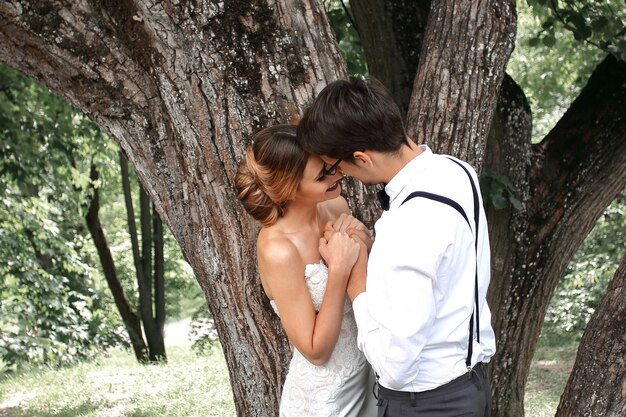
(462, 397)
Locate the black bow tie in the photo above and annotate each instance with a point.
(383, 199)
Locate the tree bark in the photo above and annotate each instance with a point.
(465, 49)
(182, 87)
(597, 384)
(132, 323)
(391, 33)
(565, 183)
(508, 154)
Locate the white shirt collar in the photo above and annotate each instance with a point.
(410, 170)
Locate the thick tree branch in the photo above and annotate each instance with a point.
(597, 384)
(570, 179)
(580, 163)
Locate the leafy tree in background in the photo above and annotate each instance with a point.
(51, 312)
(340, 18)
(552, 63)
(599, 23)
(54, 307)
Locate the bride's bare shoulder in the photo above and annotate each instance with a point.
(275, 248)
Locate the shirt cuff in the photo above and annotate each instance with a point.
(364, 321)
(359, 305)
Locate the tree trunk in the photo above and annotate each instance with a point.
(508, 154)
(391, 33)
(154, 333)
(597, 384)
(182, 87)
(465, 49)
(142, 262)
(132, 323)
(159, 276)
(145, 220)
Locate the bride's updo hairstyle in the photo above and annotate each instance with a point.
(269, 175)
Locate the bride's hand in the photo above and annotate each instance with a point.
(345, 222)
(339, 251)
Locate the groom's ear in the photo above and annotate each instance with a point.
(362, 158)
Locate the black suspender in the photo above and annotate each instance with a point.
(457, 207)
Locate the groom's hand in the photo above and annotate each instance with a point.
(345, 222)
(363, 235)
(351, 225)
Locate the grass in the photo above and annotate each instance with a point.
(548, 375)
(190, 386)
(116, 385)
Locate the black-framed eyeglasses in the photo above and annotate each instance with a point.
(331, 170)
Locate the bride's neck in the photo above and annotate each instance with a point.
(301, 216)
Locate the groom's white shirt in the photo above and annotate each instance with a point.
(414, 317)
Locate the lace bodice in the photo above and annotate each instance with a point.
(340, 387)
(316, 278)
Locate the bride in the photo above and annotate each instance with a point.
(306, 249)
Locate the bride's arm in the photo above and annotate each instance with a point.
(313, 334)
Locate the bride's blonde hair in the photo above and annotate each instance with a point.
(269, 175)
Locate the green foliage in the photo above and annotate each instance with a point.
(550, 65)
(497, 190)
(587, 277)
(55, 306)
(50, 312)
(338, 12)
(598, 23)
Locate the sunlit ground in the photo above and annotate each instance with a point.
(116, 385)
(190, 385)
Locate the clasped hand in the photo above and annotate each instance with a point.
(341, 238)
(353, 227)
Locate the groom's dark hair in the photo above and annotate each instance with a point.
(349, 116)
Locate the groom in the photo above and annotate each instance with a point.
(424, 323)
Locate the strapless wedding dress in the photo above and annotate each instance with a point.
(342, 387)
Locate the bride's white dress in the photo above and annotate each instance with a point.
(340, 388)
